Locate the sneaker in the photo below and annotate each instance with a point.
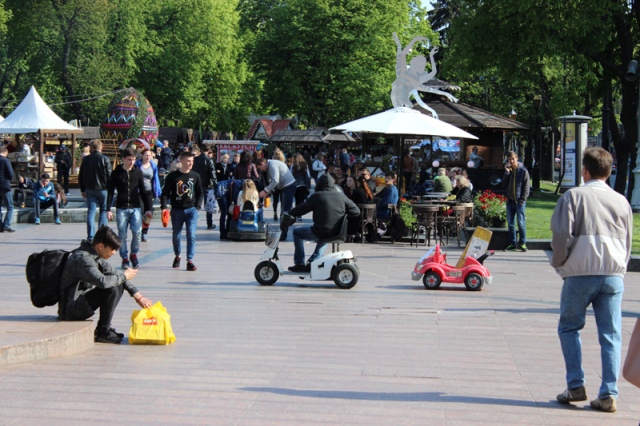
(510, 247)
(300, 268)
(120, 335)
(125, 263)
(572, 395)
(107, 335)
(134, 261)
(8, 230)
(608, 405)
(211, 227)
(176, 262)
(37, 221)
(58, 221)
(144, 238)
(523, 247)
(191, 266)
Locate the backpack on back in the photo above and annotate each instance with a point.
(44, 271)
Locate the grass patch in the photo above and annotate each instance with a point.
(540, 206)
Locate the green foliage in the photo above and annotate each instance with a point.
(328, 61)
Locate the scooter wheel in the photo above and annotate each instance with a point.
(431, 280)
(266, 273)
(345, 276)
(473, 282)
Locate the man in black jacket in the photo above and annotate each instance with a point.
(203, 165)
(94, 179)
(63, 166)
(329, 207)
(129, 182)
(183, 190)
(89, 283)
(6, 175)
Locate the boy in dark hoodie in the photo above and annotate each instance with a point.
(89, 282)
(329, 207)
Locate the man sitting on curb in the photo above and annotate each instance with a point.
(89, 282)
(44, 196)
(329, 207)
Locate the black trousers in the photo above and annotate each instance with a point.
(63, 175)
(106, 300)
(43, 205)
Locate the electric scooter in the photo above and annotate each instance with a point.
(339, 266)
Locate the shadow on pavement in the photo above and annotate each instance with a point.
(403, 396)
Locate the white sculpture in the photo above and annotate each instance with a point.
(411, 79)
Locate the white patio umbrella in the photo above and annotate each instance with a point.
(403, 121)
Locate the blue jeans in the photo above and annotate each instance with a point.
(126, 218)
(95, 199)
(5, 198)
(516, 209)
(604, 293)
(179, 218)
(286, 197)
(300, 235)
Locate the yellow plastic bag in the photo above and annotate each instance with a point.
(151, 326)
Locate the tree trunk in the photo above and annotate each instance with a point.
(628, 119)
(66, 80)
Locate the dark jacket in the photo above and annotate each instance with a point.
(522, 183)
(223, 172)
(328, 206)
(6, 174)
(360, 197)
(130, 186)
(183, 191)
(203, 165)
(62, 160)
(94, 172)
(166, 157)
(463, 195)
(83, 271)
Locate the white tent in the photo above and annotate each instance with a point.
(33, 115)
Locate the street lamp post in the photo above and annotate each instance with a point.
(513, 115)
(632, 75)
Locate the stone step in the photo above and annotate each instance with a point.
(28, 338)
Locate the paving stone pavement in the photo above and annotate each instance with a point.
(386, 352)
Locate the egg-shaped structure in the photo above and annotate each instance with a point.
(128, 116)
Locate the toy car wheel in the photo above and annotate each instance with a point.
(473, 282)
(431, 280)
(345, 275)
(266, 273)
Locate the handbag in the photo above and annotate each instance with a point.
(212, 204)
(151, 326)
(631, 368)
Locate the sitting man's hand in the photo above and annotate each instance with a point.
(142, 301)
(130, 273)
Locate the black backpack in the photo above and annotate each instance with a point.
(397, 228)
(44, 271)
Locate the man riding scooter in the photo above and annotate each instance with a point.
(329, 206)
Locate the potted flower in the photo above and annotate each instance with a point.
(493, 207)
(406, 212)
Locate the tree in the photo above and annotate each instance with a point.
(564, 50)
(328, 61)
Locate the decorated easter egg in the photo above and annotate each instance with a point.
(129, 116)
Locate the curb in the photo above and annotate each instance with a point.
(56, 340)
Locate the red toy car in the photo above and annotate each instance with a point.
(434, 270)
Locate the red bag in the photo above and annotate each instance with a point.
(236, 213)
